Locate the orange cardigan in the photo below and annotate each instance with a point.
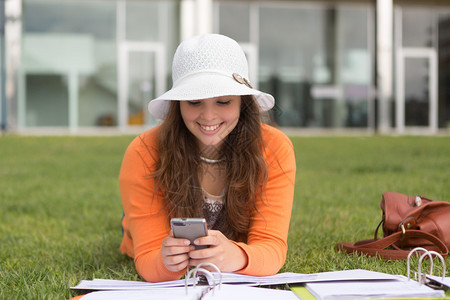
(146, 222)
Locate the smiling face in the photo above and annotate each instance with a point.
(211, 120)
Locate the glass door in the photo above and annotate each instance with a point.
(416, 103)
(416, 99)
(141, 78)
(141, 87)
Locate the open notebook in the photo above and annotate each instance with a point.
(348, 284)
(192, 290)
(227, 292)
(402, 287)
(237, 279)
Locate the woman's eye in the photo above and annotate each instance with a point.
(224, 102)
(194, 103)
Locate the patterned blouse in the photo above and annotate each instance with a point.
(213, 207)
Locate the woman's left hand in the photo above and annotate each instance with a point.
(222, 252)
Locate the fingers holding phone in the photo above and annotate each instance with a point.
(176, 247)
(175, 253)
(222, 252)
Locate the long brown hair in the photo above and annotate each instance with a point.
(176, 174)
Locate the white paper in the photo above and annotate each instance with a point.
(235, 292)
(281, 278)
(401, 288)
(227, 292)
(438, 279)
(146, 294)
(238, 279)
(114, 285)
(284, 278)
(357, 274)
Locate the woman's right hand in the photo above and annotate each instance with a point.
(175, 253)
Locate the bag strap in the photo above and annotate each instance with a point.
(377, 247)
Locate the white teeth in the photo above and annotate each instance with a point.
(210, 128)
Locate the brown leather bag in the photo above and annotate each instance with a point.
(407, 222)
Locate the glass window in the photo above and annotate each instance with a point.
(425, 27)
(142, 20)
(444, 68)
(47, 106)
(416, 92)
(292, 56)
(150, 40)
(151, 20)
(234, 20)
(96, 18)
(316, 61)
(141, 87)
(70, 47)
(354, 66)
(418, 27)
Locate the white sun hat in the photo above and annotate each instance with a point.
(208, 66)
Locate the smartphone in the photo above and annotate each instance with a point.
(189, 228)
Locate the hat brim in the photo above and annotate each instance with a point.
(203, 86)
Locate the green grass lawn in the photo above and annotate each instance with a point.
(60, 206)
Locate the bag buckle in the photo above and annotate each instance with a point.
(403, 231)
(405, 224)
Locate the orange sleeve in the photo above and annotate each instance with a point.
(146, 222)
(266, 247)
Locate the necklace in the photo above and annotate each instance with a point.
(211, 161)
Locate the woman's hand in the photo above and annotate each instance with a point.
(175, 253)
(223, 253)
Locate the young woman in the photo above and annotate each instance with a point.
(212, 157)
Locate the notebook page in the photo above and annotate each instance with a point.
(371, 289)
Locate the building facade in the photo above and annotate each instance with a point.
(377, 66)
